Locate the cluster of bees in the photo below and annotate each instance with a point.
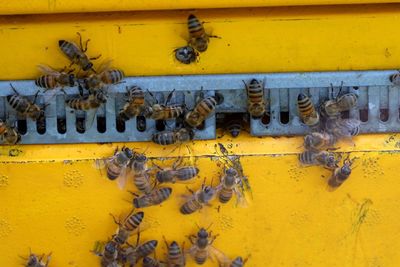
(327, 127)
(149, 182)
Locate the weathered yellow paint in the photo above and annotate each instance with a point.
(75, 6)
(53, 199)
(280, 40)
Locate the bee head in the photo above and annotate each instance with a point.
(254, 82)
(101, 96)
(33, 260)
(128, 152)
(202, 233)
(110, 247)
(88, 66)
(231, 172)
(71, 79)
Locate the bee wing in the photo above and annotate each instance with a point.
(121, 181)
(47, 70)
(222, 259)
(106, 64)
(241, 200)
(100, 163)
(90, 117)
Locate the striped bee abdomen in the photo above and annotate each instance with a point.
(196, 28)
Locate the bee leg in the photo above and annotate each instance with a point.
(115, 220)
(190, 190)
(190, 237)
(35, 98)
(15, 90)
(133, 193)
(169, 97)
(166, 242)
(48, 259)
(214, 36)
(154, 98)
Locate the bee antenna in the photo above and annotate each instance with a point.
(209, 226)
(198, 226)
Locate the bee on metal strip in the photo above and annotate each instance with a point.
(328, 160)
(201, 111)
(198, 38)
(198, 199)
(92, 101)
(202, 248)
(395, 78)
(177, 136)
(24, 106)
(9, 134)
(77, 54)
(127, 227)
(235, 124)
(35, 261)
(317, 141)
(105, 76)
(343, 128)
(163, 112)
(134, 105)
(156, 197)
(176, 174)
(332, 108)
(307, 111)
(186, 54)
(340, 174)
(256, 105)
(117, 165)
(53, 79)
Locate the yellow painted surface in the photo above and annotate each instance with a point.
(76, 6)
(53, 199)
(252, 40)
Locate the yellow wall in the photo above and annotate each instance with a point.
(53, 199)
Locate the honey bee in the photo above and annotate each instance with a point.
(316, 141)
(108, 254)
(395, 78)
(256, 105)
(132, 254)
(24, 106)
(141, 177)
(226, 262)
(104, 76)
(307, 112)
(163, 112)
(152, 262)
(53, 79)
(173, 137)
(198, 38)
(8, 134)
(235, 124)
(91, 101)
(117, 165)
(340, 174)
(134, 105)
(198, 199)
(186, 54)
(229, 185)
(77, 54)
(233, 161)
(202, 248)
(156, 197)
(176, 174)
(334, 107)
(35, 261)
(201, 111)
(127, 227)
(176, 255)
(343, 128)
(324, 158)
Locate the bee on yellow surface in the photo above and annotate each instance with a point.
(177, 136)
(328, 160)
(176, 173)
(127, 227)
(132, 254)
(134, 104)
(340, 174)
(141, 177)
(156, 197)
(198, 38)
(24, 106)
(54, 79)
(186, 54)
(307, 111)
(202, 248)
(108, 253)
(92, 101)
(198, 199)
(117, 165)
(152, 262)
(333, 107)
(8, 134)
(256, 105)
(236, 262)
(201, 111)
(176, 255)
(317, 141)
(105, 76)
(77, 54)
(229, 185)
(36, 261)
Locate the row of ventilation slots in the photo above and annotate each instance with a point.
(284, 114)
